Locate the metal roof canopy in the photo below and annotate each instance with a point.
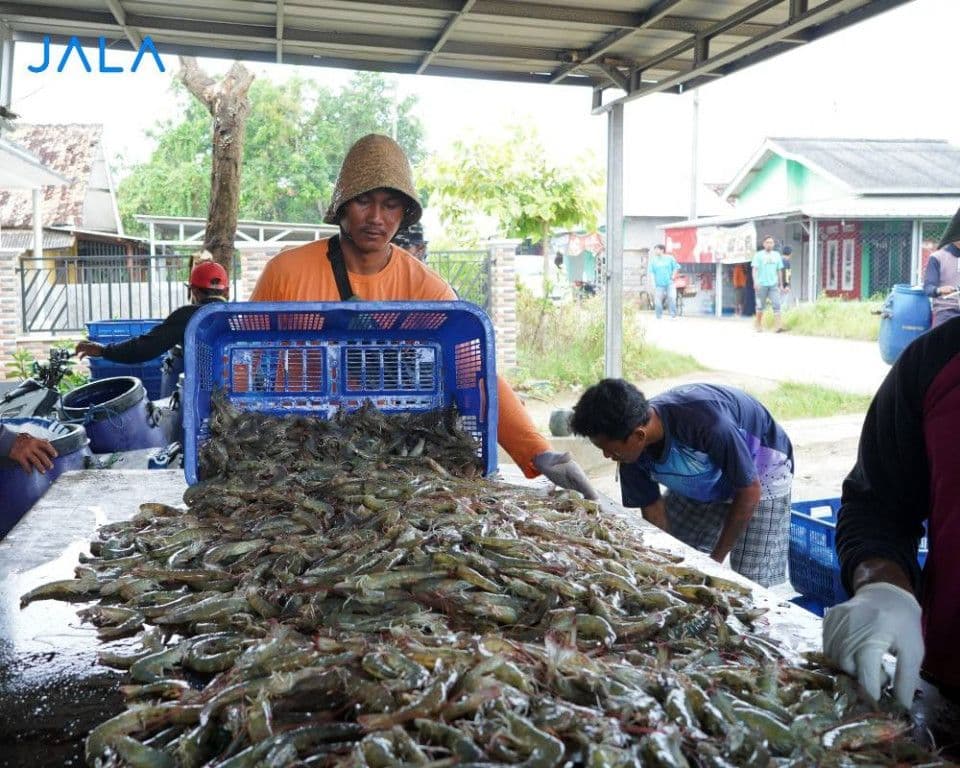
(635, 46)
(620, 49)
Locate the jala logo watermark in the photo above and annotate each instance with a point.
(74, 48)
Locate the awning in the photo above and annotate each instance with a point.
(21, 170)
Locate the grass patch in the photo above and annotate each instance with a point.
(564, 345)
(835, 318)
(793, 400)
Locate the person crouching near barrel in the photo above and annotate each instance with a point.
(726, 464)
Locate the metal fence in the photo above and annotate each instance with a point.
(467, 271)
(63, 293)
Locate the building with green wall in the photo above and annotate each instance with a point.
(860, 214)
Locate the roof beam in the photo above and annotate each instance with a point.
(654, 14)
(264, 34)
(279, 31)
(121, 16)
(822, 13)
(444, 35)
(619, 79)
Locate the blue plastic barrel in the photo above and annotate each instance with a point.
(19, 491)
(116, 413)
(905, 315)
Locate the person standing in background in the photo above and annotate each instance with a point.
(739, 287)
(663, 268)
(941, 278)
(767, 265)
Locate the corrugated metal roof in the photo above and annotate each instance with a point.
(876, 166)
(873, 207)
(68, 150)
(22, 239)
(627, 47)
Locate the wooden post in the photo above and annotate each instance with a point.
(228, 104)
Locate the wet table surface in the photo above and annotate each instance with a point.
(52, 691)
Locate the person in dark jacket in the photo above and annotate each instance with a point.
(905, 475)
(31, 453)
(941, 278)
(208, 282)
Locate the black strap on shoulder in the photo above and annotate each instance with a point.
(335, 254)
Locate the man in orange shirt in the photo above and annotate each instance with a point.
(739, 286)
(373, 198)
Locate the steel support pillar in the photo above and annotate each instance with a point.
(613, 347)
(6, 65)
(916, 252)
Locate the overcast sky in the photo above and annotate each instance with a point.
(885, 78)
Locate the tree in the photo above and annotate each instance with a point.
(229, 106)
(514, 182)
(297, 134)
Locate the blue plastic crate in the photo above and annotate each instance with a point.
(111, 331)
(315, 358)
(115, 331)
(814, 567)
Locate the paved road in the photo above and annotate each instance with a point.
(733, 345)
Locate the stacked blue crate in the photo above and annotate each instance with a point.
(814, 566)
(114, 331)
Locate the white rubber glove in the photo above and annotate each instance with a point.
(560, 469)
(880, 618)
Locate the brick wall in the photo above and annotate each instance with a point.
(503, 300)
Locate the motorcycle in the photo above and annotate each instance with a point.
(38, 395)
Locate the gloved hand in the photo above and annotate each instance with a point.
(880, 618)
(560, 469)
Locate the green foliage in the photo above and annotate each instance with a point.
(564, 344)
(836, 318)
(23, 365)
(296, 136)
(512, 181)
(20, 365)
(793, 400)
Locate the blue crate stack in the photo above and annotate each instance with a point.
(814, 567)
(314, 358)
(114, 331)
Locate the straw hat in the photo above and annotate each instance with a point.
(374, 162)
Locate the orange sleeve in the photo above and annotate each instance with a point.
(265, 290)
(515, 430)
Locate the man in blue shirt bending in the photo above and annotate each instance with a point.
(727, 466)
(663, 268)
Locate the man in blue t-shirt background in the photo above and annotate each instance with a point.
(663, 268)
(767, 266)
(727, 465)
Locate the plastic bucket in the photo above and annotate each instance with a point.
(905, 315)
(19, 491)
(170, 371)
(116, 413)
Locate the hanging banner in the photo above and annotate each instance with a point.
(709, 245)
